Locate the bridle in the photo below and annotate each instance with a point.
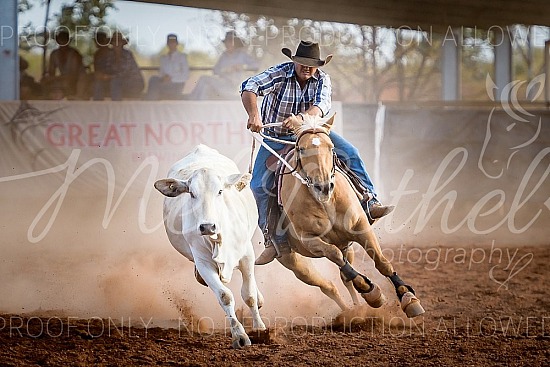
(297, 152)
(294, 171)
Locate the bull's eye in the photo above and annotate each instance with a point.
(192, 195)
(220, 192)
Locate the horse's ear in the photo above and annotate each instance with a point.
(328, 124)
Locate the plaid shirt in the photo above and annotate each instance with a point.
(283, 95)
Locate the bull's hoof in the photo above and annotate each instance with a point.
(240, 341)
(375, 298)
(411, 305)
(199, 278)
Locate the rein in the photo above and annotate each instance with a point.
(260, 138)
(293, 170)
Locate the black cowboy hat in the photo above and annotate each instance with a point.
(307, 54)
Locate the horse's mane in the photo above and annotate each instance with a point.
(315, 123)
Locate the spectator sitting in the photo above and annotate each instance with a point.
(123, 72)
(232, 67)
(72, 75)
(102, 79)
(174, 72)
(28, 87)
(234, 59)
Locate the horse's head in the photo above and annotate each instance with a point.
(315, 155)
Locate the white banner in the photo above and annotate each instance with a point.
(81, 221)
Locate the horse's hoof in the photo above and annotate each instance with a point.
(411, 305)
(240, 341)
(375, 298)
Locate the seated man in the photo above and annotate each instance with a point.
(125, 78)
(294, 88)
(174, 72)
(234, 64)
(66, 74)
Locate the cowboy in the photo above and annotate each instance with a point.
(294, 88)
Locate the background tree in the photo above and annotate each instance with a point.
(369, 61)
(81, 18)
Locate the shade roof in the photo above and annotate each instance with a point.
(437, 15)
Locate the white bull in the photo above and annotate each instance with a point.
(210, 216)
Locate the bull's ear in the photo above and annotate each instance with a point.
(239, 180)
(328, 124)
(171, 187)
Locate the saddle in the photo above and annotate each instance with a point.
(275, 212)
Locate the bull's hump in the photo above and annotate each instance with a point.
(201, 148)
(203, 157)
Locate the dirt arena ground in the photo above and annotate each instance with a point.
(483, 308)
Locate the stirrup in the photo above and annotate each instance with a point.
(379, 209)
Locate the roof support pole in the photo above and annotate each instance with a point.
(503, 62)
(547, 71)
(450, 65)
(9, 59)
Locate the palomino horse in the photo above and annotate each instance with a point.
(323, 216)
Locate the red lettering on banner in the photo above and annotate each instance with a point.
(127, 128)
(93, 134)
(215, 127)
(150, 133)
(53, 136)
(75, 134)
(196, 133)
(176, 134)
(189, 133)
(112, 135)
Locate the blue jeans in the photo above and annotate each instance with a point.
(263, 179)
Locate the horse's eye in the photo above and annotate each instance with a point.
(192, 195)
(220, 192)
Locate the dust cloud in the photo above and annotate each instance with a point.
(80, 269)
(459, 175)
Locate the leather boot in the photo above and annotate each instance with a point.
(268, 255)
(378, 210)
(375, 210)
(273, 249)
